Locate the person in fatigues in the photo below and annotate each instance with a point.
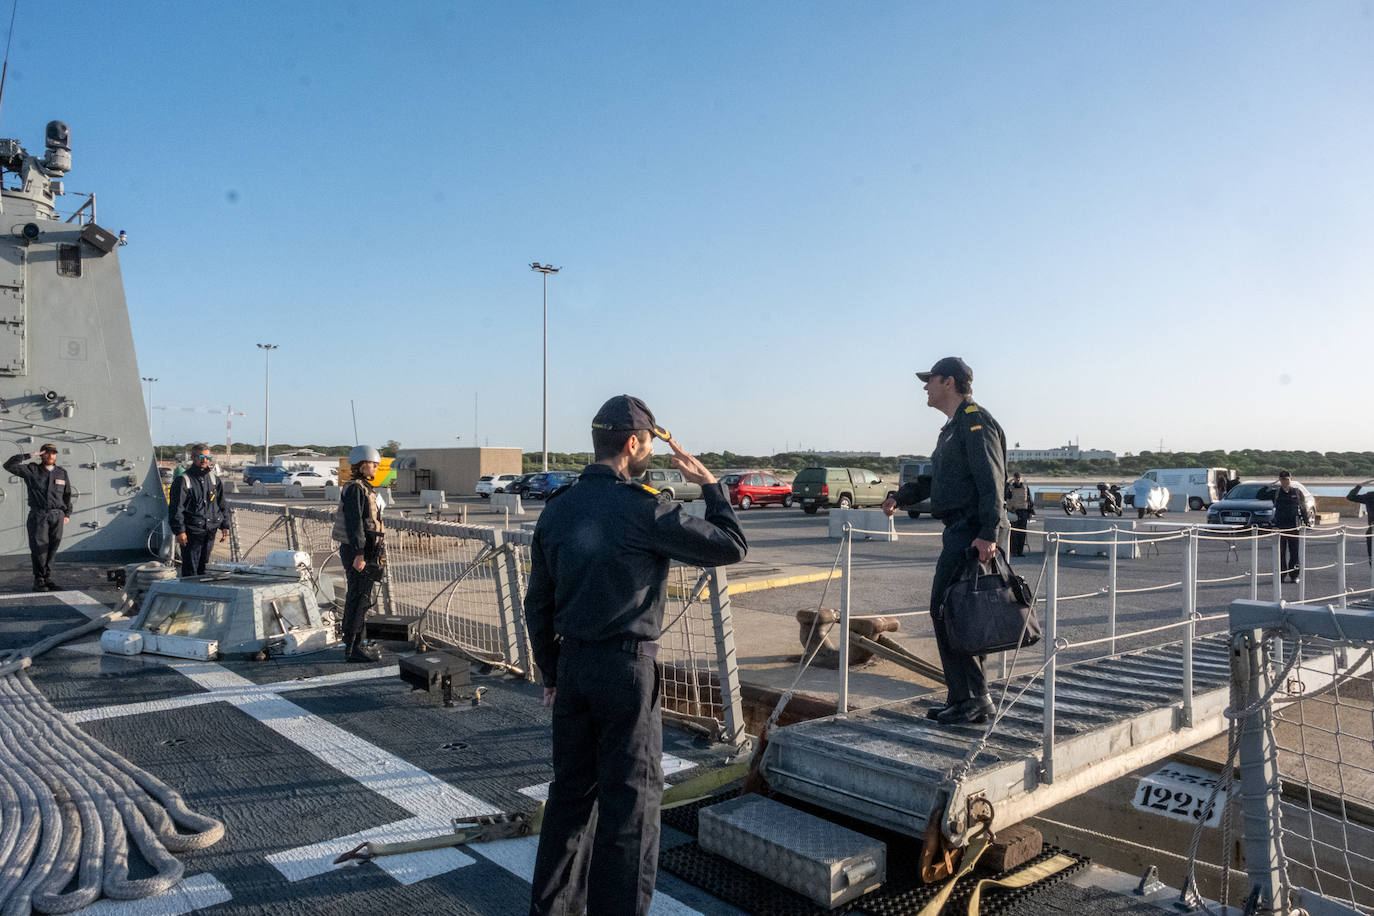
(1366, 500)
(1290, 512)
(966, 493)
(196, 510)
(50, 508)
(1019, 501)
(594, 608)
(362, 548)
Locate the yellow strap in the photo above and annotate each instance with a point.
(1026, 876)
(976, 848)
(703, 784)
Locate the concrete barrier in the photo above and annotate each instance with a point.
(1338, 506)
(436, 498)
(864, 520)
(293, 491)
(503, 501)
(332, 492)
(259, 488)
(1097, 531)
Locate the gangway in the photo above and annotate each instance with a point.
(1060, 730)
(891, 765)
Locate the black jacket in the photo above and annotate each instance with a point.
(49, 488)
(1289, 508)
(196, 503)
(599, 561)
(970, 470)
(360, 530)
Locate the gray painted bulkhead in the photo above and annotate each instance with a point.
(69, 375)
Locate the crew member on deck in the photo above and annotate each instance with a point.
(598, 577)
(195, 510)
(50, 508)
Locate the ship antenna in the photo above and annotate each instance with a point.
(8, 39)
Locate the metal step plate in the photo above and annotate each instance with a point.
(824, 862)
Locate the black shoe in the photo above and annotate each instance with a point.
(39, 585)
(364, 652)
(974, 710)
(52, 586)
(935, 711)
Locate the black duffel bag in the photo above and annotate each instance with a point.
(990, 611)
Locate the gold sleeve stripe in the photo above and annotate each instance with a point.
(975, 428)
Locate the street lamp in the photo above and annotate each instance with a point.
(150, 407)
(266, 404)
(546, 269)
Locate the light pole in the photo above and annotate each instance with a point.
(150, 409)
(266, 402)
(546, 269)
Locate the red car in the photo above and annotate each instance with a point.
(755, 488)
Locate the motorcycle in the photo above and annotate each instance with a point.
(1072, 502)
(1109, 500)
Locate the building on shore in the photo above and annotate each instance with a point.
(1069, 452)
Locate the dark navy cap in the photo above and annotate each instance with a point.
(626, 412)
(949, 367)
(48, 447)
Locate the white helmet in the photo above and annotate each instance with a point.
(360, 453)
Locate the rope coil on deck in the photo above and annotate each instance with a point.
(69, 806)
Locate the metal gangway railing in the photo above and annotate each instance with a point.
(463, 586)
(1296, 789)
(1094, 701)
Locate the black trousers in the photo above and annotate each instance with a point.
(964, 677)
(598, 848)
(45, 536)
(1288, 553)
(1018, 537)
(195, 553)
(359, 598)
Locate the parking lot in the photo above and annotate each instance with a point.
(893, 578)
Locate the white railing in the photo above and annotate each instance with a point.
(1059, 651)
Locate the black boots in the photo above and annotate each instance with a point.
(355, 650)
(973, 711)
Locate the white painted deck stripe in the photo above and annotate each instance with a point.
(194, 893)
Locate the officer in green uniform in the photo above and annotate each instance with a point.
(598, 578)
(969, 467)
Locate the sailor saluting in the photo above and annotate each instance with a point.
(50, 507)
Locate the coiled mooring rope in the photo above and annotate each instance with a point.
(69, 806)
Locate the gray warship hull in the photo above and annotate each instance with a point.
(68, 371)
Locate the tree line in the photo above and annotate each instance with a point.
(1246, 462)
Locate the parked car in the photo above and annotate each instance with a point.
(757, 488)
(265, 473)
(545, 483)
(671, 483)
(1252, 503)
(838, 488)
(912, 472)
(308, 479)
(495, 483)
(517, 486)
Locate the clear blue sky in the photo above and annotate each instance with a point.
(1135, 221)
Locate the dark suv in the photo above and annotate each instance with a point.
(542, 485)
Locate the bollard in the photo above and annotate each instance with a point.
(1302, 561)
(1111, 590)
(1340, 569)
(1278, 570)
(1189, 609)
(1254, 563)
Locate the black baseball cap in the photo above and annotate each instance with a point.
(48, 447)
(949, 367)
(624, 412)
(1283, 474)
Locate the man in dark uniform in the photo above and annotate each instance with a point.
(1019, 501)
(1366, 500)
(599, 565)
(50, 507)
(966, 493)
(1290, 509)
(362, 548)
(195, 510)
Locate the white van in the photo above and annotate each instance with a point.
(1202, 486)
